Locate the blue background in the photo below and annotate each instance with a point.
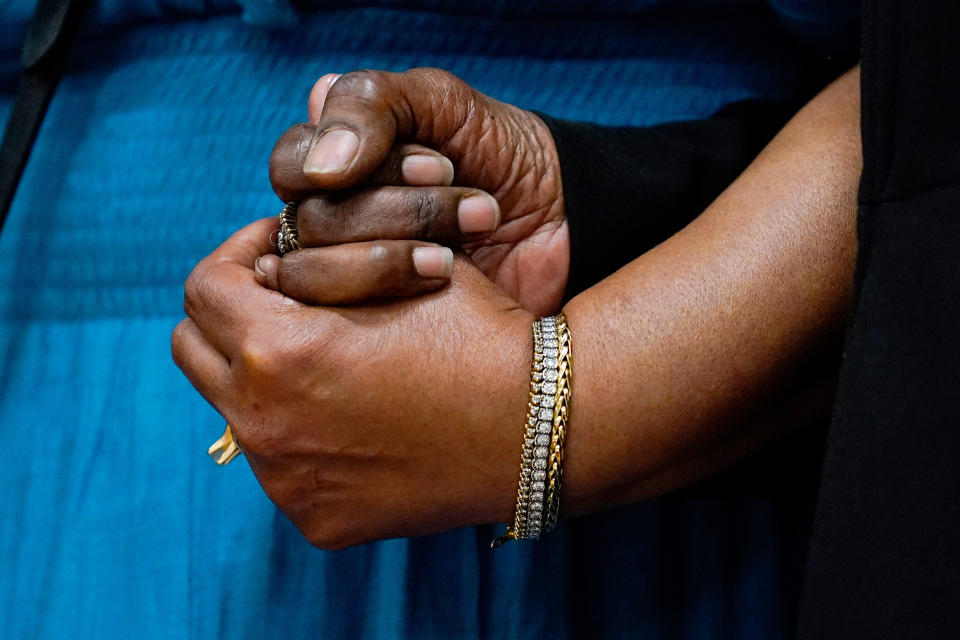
(113, 521)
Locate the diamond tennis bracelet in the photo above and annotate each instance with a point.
(541, 463)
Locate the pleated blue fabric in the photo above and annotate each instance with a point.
(113, 521)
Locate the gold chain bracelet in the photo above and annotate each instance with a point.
(541, 463)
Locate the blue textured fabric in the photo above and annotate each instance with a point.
(115, 524)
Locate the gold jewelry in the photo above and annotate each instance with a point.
(529, 443)
(558, 437)
(288, 238)
(541, 463)
(225, 449)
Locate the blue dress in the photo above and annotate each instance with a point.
(113, 521)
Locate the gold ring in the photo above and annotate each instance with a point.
(225, 449)
(288, 238)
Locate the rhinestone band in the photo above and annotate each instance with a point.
(541, 465)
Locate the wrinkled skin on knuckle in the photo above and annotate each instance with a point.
(427, 211)
(456, 102)
(457, 91)
(438, 75)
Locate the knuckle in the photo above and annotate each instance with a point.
(379, 254)
(446, 83)
(261, 360)
(363, 84)
(426, 212)
(440, 76)
(178, 343)
(287, 155)
(306, 278)
(198, 288)
(325, 217)
(328, 538)
(290, 276)
(384, 270)
(463, 101)
(272, 358)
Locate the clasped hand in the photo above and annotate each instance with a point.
(386, 418)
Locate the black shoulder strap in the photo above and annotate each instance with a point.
(44, 56)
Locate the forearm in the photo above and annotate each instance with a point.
(627, 189)
(676, 353)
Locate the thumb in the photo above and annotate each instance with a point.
(366, 111)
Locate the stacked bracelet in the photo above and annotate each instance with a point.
(541, 463)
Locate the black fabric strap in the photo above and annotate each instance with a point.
(44, 56)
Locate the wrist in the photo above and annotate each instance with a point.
(500, 401)
(593, 473)
(515, 421)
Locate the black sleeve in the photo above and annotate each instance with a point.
(626, 189)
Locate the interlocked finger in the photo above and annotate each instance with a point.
(357, 272)
(405, 164)
(448, 215)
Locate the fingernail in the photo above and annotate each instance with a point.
(318, 95)
(265, 270)
(478, 214)
(425, 171)
(332, 153)
(325, 81)
(433, 262)
(331, 78)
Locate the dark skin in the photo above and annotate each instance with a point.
(404, 418)
(353, 273)
(495, 148)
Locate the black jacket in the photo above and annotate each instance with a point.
(885, 554)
